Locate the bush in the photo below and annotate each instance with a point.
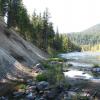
(56, 59)
(82, 97)
(96, 65)
(53, 73)
(41, 77)
(21, 86)
(45, 65)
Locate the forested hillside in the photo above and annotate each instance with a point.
(88, 39)
(36, 29)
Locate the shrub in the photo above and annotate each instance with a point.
(96, 65)
(45, 64)
(21, 86)
(53, 73)
(56, 59)
(79, 97)
(41, 77)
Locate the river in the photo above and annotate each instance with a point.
(80, 61)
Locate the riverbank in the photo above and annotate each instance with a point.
(83, 63)
(48, 84)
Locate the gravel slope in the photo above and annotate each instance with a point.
(16, 54)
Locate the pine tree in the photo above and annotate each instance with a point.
(45, 28)
(3, 7)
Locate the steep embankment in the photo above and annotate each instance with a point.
(16, 54)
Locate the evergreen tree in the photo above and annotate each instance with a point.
(38, 30)
(9, 8)
(3, 7)
(57, 43)
(45, 28)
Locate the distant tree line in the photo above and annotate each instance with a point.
(91, 47)
(88, 41)
(37, 29)
(63, 43)
(85, 38)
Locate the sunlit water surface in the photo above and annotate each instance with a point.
(79, 60)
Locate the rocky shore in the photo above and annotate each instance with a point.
(32, 89)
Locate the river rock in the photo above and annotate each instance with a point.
(3, 98)
(42, 85)
(29, 82)
(38, 68)
(51, 94)
(18, 94)
(31, 96)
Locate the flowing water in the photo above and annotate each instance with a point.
(80, 61)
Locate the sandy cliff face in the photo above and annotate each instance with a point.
(16, 53)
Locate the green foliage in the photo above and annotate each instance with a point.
(63, 44)
(79, 97)
(37, 29)
(46, 62)
(51, 51)
(22, 86)
(9, 8)
(54, 76)
(90, 47)
(96, 65)
(45, 65)
(43, 30)
(41, 77)
(23, 23)
(56, 59)
(3, 7)
(95, 74)
(87, 41)
(55, 70)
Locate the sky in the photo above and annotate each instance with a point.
(68, 15)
